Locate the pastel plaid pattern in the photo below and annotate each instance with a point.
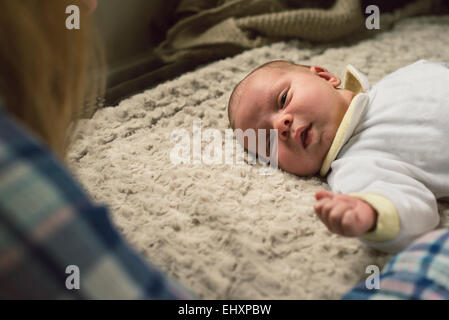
(421, 271)
(47, 222)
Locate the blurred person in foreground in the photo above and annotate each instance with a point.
(49, 227)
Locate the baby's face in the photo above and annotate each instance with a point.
(303, 104)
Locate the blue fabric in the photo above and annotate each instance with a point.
(421, 271)
(47, 222)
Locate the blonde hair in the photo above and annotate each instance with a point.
(46, 70)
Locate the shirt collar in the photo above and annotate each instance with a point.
(356, 82)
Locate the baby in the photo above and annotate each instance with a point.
(384, 150)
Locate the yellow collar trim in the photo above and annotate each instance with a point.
(357, 83)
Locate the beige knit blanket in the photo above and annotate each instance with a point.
(226, 231)
(218, 29)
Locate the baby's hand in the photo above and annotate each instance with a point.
(344, 215)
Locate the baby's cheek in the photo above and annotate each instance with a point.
(288, 160)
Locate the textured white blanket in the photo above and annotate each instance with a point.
(226, 231)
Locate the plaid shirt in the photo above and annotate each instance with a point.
(54, 242)
(419, 272)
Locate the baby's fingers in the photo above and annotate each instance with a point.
(324, 208)
(319, 204)
(323, 194)
(335, 217)
(349, 224)
(318, 207)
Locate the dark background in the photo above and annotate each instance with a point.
(131, 29)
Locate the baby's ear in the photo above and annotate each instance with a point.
(326, 75)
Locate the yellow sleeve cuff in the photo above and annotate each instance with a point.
(388, 222)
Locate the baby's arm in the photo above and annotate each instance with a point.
(406, 208)
(345, 215)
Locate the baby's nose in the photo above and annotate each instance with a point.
(283, 126)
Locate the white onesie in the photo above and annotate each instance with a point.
(392, 150)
